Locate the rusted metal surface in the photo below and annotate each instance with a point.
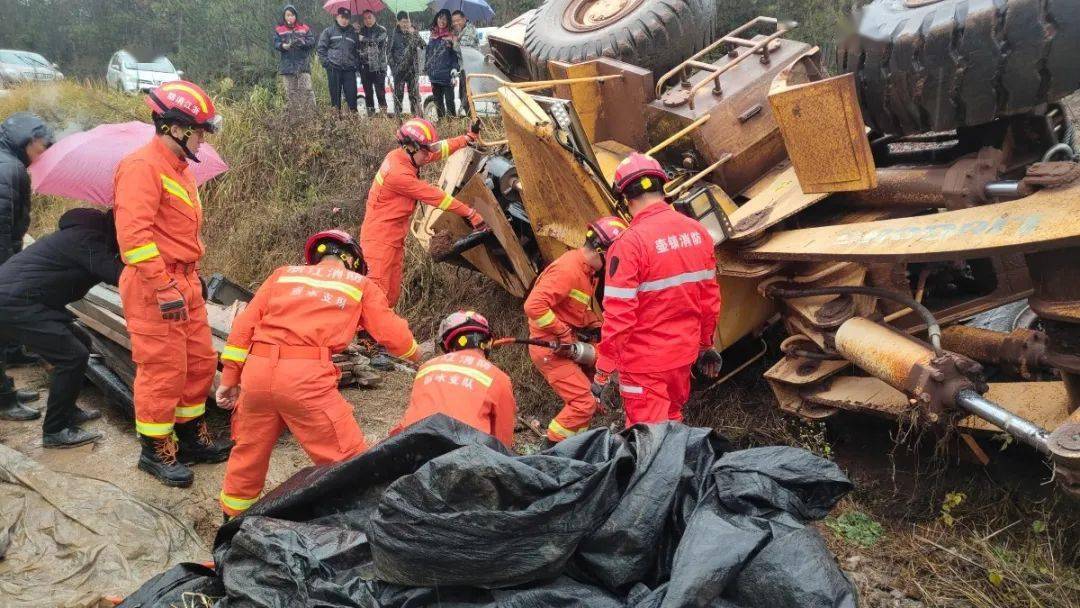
(775, 197)
(1055, 277)
(823, 129)
(608, 109)
(1052, 174)
(1021, 351)
(1044, 403)
(1048, 219)
(965, 183)
(1064, 444)
(591, 15)
(881, 351)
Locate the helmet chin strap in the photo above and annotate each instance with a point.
(183, 144)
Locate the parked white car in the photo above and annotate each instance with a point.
(132, 76)
(25, 66)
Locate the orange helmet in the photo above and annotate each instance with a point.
(638, 170)
(184, 103)
(418, 132)
(464, 329)
(602, 232)
(336, 243)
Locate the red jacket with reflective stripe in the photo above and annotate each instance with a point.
(466, 386)
(661, 298)
(396, 189)
(319, 305)
(561, 298)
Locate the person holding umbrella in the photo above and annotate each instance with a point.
(440, 62)
(405, 44)
(294, 40)
(158, 220)
(338, 52)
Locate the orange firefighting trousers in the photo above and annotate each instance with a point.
(278, 392)
(654, 396)
(386, 265)
(175, 360)
(572, 385)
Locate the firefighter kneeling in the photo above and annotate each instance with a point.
(463, 384)
(559, 308)
(661, 300)
(277, 367)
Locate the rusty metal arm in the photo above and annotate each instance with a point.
(698, 176)
(678, 134)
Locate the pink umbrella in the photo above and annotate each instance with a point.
(356, 6)
(81, 166)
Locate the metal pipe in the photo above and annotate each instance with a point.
(1005, 189)
(696, 178)
(1024, 430)
(675, 136)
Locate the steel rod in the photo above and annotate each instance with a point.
(1024, 430)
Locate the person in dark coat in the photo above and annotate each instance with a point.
(36, 285)
(295, 41)
(23, 138)
(440, 63)
(404, 61)
(373, 41)
(338, 51)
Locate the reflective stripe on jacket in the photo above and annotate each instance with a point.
(661, 298)
(561, 298)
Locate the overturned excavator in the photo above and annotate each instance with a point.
(871, 216)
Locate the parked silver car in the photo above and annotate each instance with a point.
(131, 76)
(25, 66)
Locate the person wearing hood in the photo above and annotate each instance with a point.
(36, 285)
(440, 63)
(338, 51)
(373, 41)
(23, 138)
(295, 41)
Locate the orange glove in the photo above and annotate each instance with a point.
(171, 303)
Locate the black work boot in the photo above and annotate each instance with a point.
(27, 396)
(198, 445)
(158, 458)
(70, 437)
(80, 416)
(11, 409)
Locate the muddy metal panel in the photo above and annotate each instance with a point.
(741, 121)
(776, 196)
(560, 195)
(1048, 219)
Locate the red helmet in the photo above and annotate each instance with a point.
(336, 243)
(601, 233)
(455, 329)
(184, 103)
(638, 168)
(417, 131)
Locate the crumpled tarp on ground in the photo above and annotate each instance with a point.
(67, 540)
(657, 516)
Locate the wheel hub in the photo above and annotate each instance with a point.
(589, 15)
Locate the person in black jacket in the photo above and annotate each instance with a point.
(294, 40)
(36, 285)
(372, 61)
(23, 138)
(440, 63)
(338, 51)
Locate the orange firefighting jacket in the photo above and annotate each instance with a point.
(661, 298)
(396, 189)
(321, 305)
(158, 212)
(561, 298)
(466, 386)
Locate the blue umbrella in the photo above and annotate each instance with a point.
(475, 10)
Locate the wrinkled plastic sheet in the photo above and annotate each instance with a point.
(68, 540)
(656, 516)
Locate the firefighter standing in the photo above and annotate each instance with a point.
(661, 300)
(393, 196)
(158, 220)
(277, 367)
(463, 384)
(558, 308)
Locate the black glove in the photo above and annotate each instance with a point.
(600, 381)
(709, 363)
(475, 127)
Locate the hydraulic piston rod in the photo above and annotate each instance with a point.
(1023, 429)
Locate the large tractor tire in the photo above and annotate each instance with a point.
(935, 65)
(653, 34)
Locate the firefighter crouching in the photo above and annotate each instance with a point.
(277, 364)
(661, 300)
(158, 221)
(560, 309)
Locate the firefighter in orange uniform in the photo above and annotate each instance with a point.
(463, 384)
(158, 219)
(559, 307)
(277, 368)
(393, 196)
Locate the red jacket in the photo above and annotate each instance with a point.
(561, 298)
(316, 305)
(466, 386)
(661, 298)
(396, 189)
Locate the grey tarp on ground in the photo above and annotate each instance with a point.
(67, 540)
(657, 516)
